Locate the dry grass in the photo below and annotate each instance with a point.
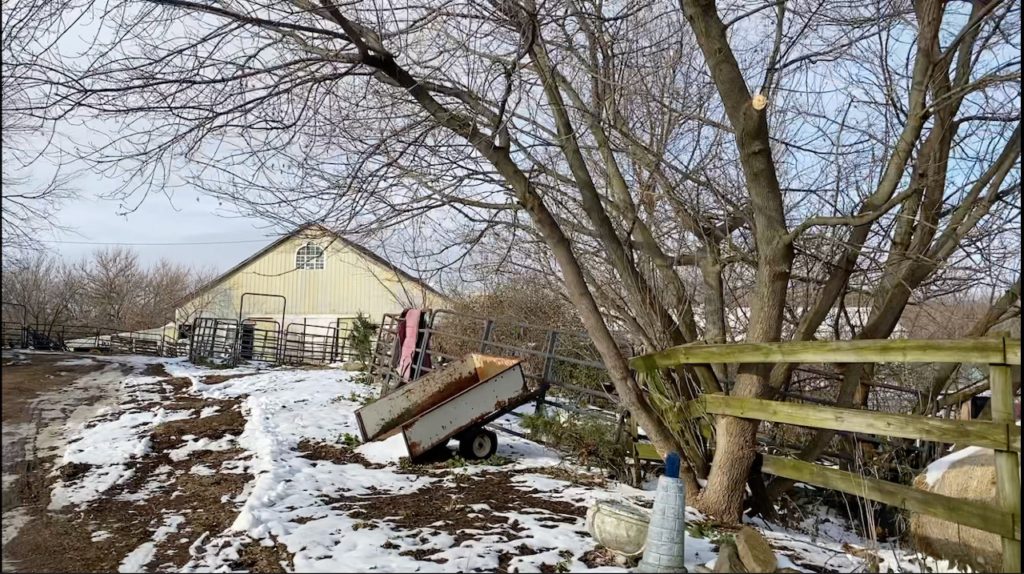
(970, 478)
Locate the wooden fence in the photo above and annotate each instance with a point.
(1000, 434)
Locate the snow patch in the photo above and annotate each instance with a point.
(291, 499)
(108, 445)
(935, 470)
(87, 487)
(181, 453)
(137, 559)
(385, 451)
(75, 362)
(202, 470)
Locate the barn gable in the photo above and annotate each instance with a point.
(311, 275)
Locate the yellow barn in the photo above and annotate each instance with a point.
(311, 276)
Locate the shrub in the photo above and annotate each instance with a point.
(360, 340)
(590, 440)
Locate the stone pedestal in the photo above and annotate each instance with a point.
(666, 534)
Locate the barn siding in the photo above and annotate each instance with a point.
(349, 284)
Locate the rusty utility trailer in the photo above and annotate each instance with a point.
(454, 401)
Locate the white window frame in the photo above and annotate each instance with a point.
(309, 263)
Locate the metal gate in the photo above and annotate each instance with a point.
(214, 340)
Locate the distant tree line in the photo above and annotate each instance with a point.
(111, 288)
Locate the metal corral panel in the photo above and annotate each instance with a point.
(471, 407)
(407, 401)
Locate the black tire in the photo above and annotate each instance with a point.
(478, 445)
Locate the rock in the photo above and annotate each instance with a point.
(754, 551)
(353, 366)
(728, 559)
(702, 569)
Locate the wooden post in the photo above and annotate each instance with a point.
(1007, 461)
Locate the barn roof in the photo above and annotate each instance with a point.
(363, 251)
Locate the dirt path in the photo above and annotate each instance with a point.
(42, 394)
(69, 515)
(38, 391)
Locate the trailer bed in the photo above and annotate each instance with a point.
(455, 401)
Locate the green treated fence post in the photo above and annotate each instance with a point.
(1007, 461)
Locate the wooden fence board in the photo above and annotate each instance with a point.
(1000, 434)
(1007, 463)
(971, 513)
(972, 432)
(858, 351)
(1012, 351)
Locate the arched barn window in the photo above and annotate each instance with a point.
(309, 256)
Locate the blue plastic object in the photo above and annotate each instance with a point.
(672, 465)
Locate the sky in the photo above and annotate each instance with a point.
(220, 237)
(184, 227)
(190, 218)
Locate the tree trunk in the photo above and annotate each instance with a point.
(573, 275)
(593, 321)
(735, 452)
(736, 439)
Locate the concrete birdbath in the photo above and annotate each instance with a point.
(618, 527)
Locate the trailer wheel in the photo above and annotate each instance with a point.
(478, 445)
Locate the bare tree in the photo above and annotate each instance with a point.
(115, 287)
(164, 286)
(112, 289)
(689, 172)
(46, 287)
(191, 303)
(29, 207)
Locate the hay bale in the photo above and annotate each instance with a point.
(968, 474)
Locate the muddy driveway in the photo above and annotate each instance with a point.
(45, 395)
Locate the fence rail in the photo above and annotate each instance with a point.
(989, 351)
(988, 434)
(966, 512)
(1000, 434)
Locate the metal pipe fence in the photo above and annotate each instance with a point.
(231, 341)
(64, 337)
(563, 362)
